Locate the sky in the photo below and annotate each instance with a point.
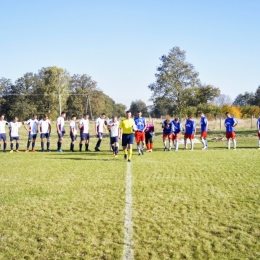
(119, 43)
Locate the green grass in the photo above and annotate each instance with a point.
(186, 205)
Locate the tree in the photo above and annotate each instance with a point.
(175, 81)
(80, 89)
(257, 96)
(203, 95)
(235, 111)
(223, 100)
(139, 105)
(245, 99)
(119, 110)
(5, 88)
(52, 90)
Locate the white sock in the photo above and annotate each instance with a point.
(234, 143)
(228, 144)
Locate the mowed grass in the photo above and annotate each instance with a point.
(186, 205)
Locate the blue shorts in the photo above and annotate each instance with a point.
(14, 138)
(32, 136)
(84, 137)
(127, 139)
(3, 137)
(114, 139)
(61, 134)
(73, 137)
(45, 135)
(99, 135)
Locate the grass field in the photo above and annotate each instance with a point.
(185, 205)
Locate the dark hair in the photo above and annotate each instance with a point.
(226, 113)
(73, 116)
(103, 114)
(63, 112)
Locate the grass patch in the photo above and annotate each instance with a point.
(186, 205)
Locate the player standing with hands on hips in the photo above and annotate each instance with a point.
(230, 123)
(139, 133)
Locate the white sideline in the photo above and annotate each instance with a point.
(128, 253)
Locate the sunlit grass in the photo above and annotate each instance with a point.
(186, 205)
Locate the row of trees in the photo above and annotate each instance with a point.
(51, 88)
(178, 91)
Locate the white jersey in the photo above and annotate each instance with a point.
(73, 126)
(33, 123)
(100, 125)
(61, 124)
(84, 126)
(14, 127)
(114, 128)
(3, 123)
(44, 125)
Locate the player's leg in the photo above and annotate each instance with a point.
(99, 141)
(228, 140)
(258, 140)
(164, 141)
(33, 143)
(170, 142)
(143, 142)
(28, 143)
(42, 141)
(129, 146)
(234, 140)
(191, 142)
(11, 144)
(17, 145)
(124, 145)
(147, 142)
(185, 141)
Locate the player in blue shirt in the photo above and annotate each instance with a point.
(177, 128)
(167, 127)
(190, 131)
(140, 132)
(258, 129)
(204, 130)
(230, 123)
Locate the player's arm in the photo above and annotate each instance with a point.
(57, 127)
(49, 127)
(39, 128)
(235, 122)
(25, 126)
(144, 126)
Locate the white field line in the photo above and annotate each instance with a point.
(128, 253)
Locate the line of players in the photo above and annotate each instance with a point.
(144, 132)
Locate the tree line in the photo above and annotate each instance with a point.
(53, 88)
(178, 91)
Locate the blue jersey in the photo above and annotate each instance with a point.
(190, 127)
(177, 127)
(258, 123)
(203, 124)
(167, 128)
(140, 123)
(229, 124)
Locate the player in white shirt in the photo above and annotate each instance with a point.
(113, 126)
(32, 130)
(60, 125)
(44, 129)
(99, 130)
(73, 132)
(14, 133)
(3, 123)
(84, 132)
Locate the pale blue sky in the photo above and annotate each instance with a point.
(119, 43)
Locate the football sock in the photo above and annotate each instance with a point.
(228, 144)
(28, 144)
(80, 147)
(185, 143)
(148, 146)
(130, 154)
(33, 144)
(176, 145)
(164, 143)
(59, 145)
(98, 143)
(203, 142)
(11, 146)
(4, 146)
(206, 143)
(72, 146)
(86, 147)
(170, 144)
(116, 150)
(234, 143)
(17, 146)
(191, 144)
(42, 145)
(151, 146)
(48, 145)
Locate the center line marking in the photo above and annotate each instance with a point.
(128, 253)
